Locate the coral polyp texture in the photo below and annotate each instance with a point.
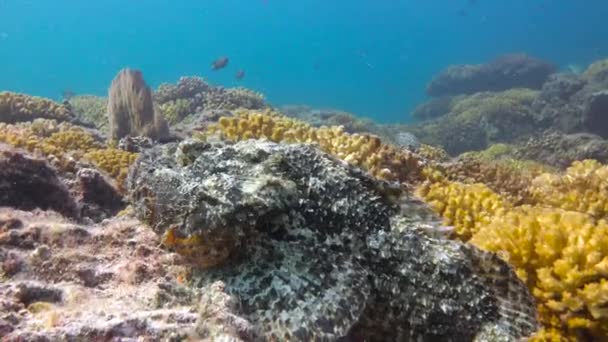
(583, 188)
(15, 107)
(510, 178)
(467, 207)
(317, 249)
(563, 258)
(381, 160)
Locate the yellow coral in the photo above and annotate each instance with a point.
(113, 161)
(508, 177)
(67, 143)
(366, 151)
(563, 258)
(71, 140)
(16, 107)
(583, 188)
(467, 207)
(433, 153)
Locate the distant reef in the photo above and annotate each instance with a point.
(505, 72)
(203, 213)
(474, 115)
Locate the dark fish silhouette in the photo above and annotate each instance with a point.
(240, 74)
(219, 63)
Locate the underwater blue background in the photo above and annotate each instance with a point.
(369, 57)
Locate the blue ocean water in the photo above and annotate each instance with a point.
(369, 57)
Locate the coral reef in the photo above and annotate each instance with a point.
(560, 150)
(583, 188)
(467, 207)
(16, 107)
(194, 95)
(308, 261)
(508, 177)
(175, 111)
(131, 111)
(434, 108)
(595, 119)
(113, 161)
(477, 121)
(597, 72)
(505, 72)
(68, 147)
(90, 110)
(381, 160)
(562, 256)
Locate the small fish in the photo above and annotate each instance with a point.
(219, 63)
(240, 75)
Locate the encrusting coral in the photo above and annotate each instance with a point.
(563, 258)
(16, 107)
(381, 160)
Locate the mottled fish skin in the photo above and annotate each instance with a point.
(321, 251)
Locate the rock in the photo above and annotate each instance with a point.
(219, 316)
(595, 115)
(135, 144)
(71, 289)
(556, 103)
(318, 250)
(505, 72)
(97, 197)
(27, 183)
(407, 140)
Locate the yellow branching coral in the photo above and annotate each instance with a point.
(113, 161)
(70, 140)
(67, 142)
(563, 258)
(381, 160)
(583, 188)
(16, 107)
(433, 153)
(467, 207)
(508, 177)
